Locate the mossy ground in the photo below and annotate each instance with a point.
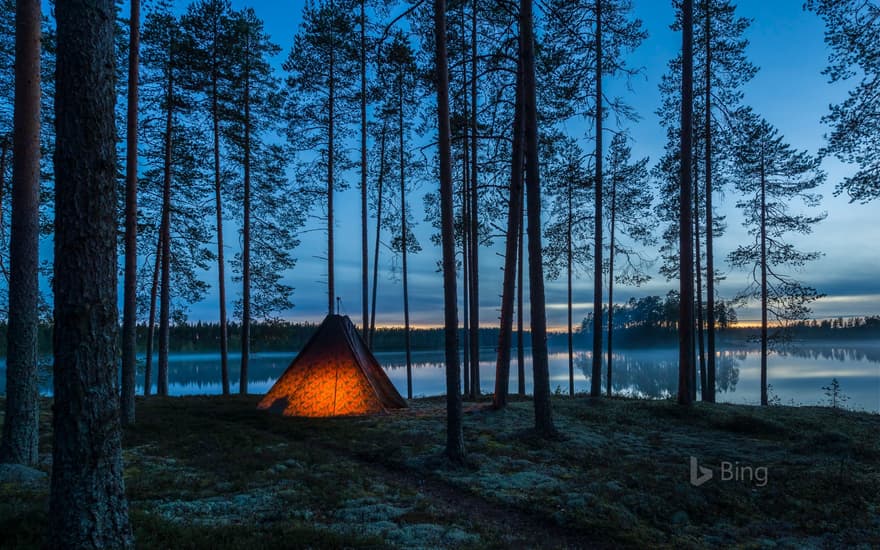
(213, 472)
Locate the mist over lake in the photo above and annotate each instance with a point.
(796, 374)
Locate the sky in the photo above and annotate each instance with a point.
(787, 45)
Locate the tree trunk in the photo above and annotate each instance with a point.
(331, 153)
(165, 231)
(596, 378)
(364, 252)
(5, 144)
(698, 268)
(129, 309)
(611, 251)
(541, 373)
(466, 242)
(514, 218)
(409, 393)
(151, 324)
(709, 394)
(246, 230)
(474, 219)
(379, 186)
(568, 259)
(20, 442)
(520, 333)
(218, 201)
(87, 505)
(686, 260)
(454, 437)
(764, 398)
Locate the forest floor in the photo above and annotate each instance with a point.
(212, 472)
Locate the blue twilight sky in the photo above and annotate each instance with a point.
(789, 90)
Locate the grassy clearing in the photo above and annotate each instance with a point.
(209, 472)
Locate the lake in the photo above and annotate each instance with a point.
(796, 375)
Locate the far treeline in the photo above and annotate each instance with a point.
(633, 329)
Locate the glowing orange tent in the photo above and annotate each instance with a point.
(334, 374)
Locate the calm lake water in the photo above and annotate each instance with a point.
(796, 375)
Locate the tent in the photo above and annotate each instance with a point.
(334, 374)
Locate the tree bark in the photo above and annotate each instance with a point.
(474, 219)
(402, 153)
(596, 378)
(246, 230)
(379, 185)
(764, 397)
(541, 373)
(364, 253)
(165, 232)
(218, 202)
(20, 442)
(686, 260)
(699, 305)
(514, 231)
(709, 394)
(520, 333)
(87, 505)
(331, 153)
(129, 300)
(568, 262)
(151, 324)
(454, 438)
(611, 245)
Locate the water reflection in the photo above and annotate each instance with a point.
(797, 374)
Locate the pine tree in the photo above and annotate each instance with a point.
(263, 181)
(174, 178)
(571, 229)
(628, 212)
(21, 425)
(87, 504)
(772, 176)
(207, 26)
(398, 78)
(129, 316)
(320, 108)
(853, 34)
(685, 229)
(455, 450)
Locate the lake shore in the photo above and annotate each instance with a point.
(214, 472)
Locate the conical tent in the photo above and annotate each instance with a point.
(333, 375)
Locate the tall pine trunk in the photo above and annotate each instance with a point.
(404, 238)
(379, 188)
(165, 232)
(246, 230)
(331, 154)
(218, 205)
(764, 300)
(514, 218)
(474, 219)
(151, 323)
(20, 442)
(454, 437)
(611, 251)
(520, 331)
(709, 394)
(596, 378)
(129, 300)
(87, 505)
(686, 260)
(364, 253)
(699, 303)
(568, 268)
(541, 372)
